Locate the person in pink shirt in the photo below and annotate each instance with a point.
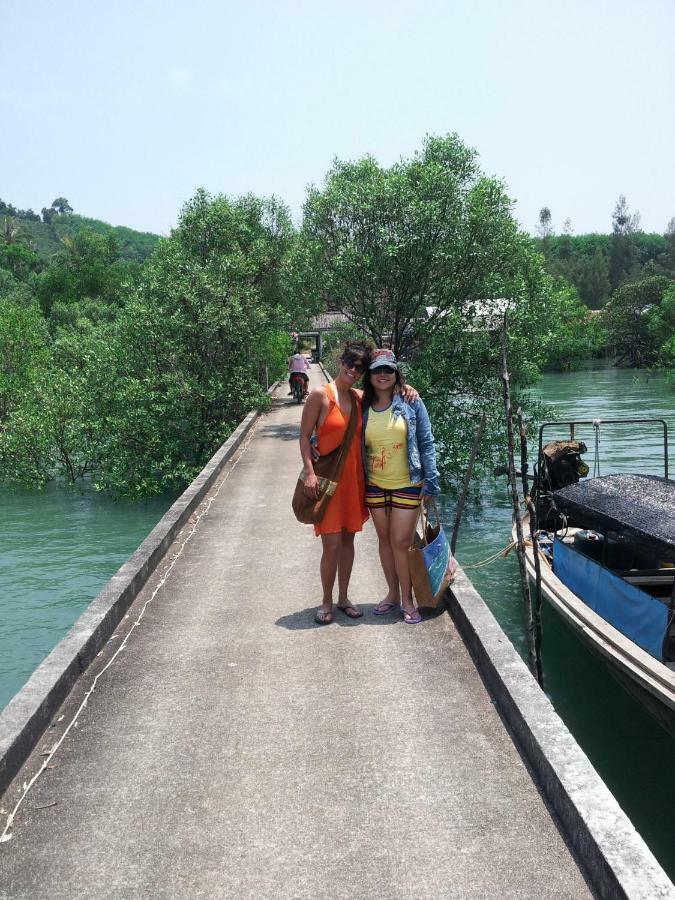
(298, 363)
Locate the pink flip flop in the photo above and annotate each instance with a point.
(384, 608)
(411, 618)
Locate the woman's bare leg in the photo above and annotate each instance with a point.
(329, 566)
(381, 521)
(345, 563)
(401, 530)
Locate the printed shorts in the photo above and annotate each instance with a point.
(395, 498)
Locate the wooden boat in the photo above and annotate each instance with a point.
(607, 560)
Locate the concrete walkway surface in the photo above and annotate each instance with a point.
(236, 749)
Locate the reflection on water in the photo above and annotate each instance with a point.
(58, 549)
(631, 752)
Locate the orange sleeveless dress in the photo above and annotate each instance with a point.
(347, 508)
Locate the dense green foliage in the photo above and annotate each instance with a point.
(204, 322)
(128, 359)
(639, 324)
(403, 246)
(89, 268)
(628, 275)
(662, 329)
(599, 264)
(134, 375)
(584, 260)
(134, 245)
(426, 257)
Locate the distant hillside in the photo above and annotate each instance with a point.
(59, 221)
(134, 245)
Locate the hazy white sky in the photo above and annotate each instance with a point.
(127, 107)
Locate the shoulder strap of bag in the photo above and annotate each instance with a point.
(349, 435)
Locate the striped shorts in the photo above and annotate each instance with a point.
(394, 498)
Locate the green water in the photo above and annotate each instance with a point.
(632, 753)
(57, 550)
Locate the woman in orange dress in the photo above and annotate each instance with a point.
(327, 411)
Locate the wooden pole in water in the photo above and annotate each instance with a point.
(532, 516)
(520, 544)
(467, 478)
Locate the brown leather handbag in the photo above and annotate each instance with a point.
(327, 469)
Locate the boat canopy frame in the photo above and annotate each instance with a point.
(641, 507)
(595, 423)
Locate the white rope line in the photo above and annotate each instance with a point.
(27, 785)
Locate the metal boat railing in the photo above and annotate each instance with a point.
(595, 423)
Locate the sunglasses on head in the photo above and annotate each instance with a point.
(351, 363)
(384, 370)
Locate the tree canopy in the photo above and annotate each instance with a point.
(425, 256)
(128, 359)
(139, 397)
(409, 244)
(635, 321)
(599, 264)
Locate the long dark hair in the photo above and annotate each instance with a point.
(369, 391)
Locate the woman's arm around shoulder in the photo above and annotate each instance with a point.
(409, 394)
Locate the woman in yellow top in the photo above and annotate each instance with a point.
(400, 463)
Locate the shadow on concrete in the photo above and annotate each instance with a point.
(285, 401)
(281, 431)
(304, 618)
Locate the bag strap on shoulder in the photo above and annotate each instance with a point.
(349, 436)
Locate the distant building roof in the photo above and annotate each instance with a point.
(329, 320)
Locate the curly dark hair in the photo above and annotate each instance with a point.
(358, 350)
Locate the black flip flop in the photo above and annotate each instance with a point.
(355, 614)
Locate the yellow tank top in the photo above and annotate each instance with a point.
(387, 450)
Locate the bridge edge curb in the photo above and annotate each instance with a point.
(27, 715)
(614, 857)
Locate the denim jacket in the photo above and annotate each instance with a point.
(421, 450)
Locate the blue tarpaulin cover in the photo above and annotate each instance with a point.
(638, 615)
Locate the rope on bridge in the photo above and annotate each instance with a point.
(27, 785)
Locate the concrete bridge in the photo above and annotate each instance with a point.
(220, 744)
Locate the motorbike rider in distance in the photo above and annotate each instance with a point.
(298, 365)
